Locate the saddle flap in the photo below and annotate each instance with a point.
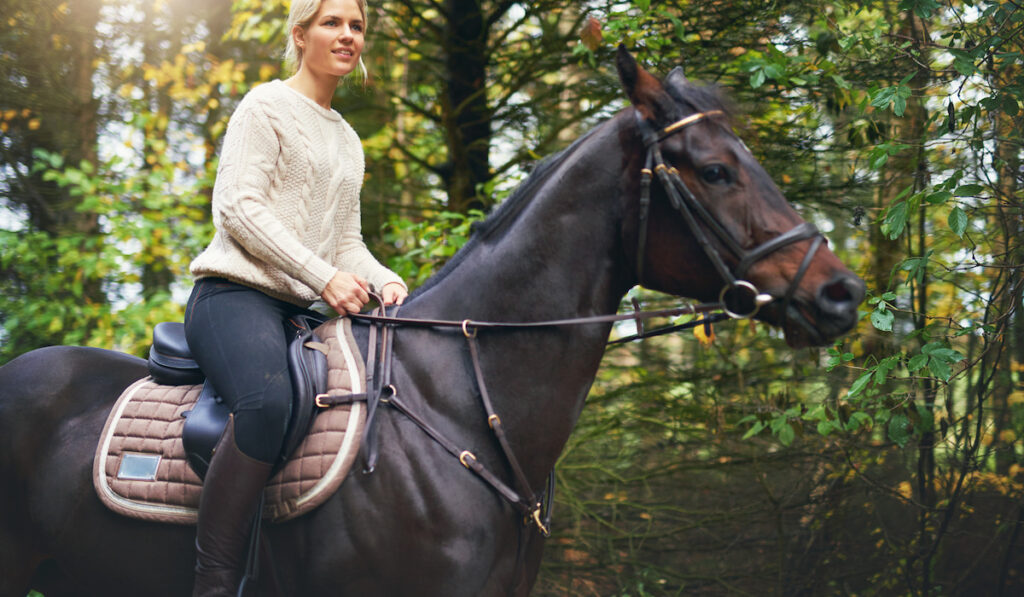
(307, 364)
(204, 425)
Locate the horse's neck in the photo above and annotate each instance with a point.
(559, 257)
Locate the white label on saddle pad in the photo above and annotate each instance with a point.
(138, 467)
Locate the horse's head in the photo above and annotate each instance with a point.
(703, 194)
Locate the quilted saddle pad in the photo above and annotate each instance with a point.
(140, 469)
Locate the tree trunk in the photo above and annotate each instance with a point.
(467, 114)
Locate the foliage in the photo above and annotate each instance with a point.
(150, 220)
(933, 373)
(421, 247)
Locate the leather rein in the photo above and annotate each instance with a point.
(739, 299)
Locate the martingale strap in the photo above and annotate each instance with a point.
(535, 508)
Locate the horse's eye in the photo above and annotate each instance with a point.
(715, 174)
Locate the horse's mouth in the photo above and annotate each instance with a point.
(800, 331)
(804, 326)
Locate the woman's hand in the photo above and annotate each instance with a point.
(393, 293)
(346, 293)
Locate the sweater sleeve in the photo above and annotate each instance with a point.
(242, 197)
(353, 256)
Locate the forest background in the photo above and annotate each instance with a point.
(887, 464)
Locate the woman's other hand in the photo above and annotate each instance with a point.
(346, 293)
(393, 293)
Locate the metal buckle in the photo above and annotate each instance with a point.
(392, 392)
(465, 455)
(319, 400)
(535, 518)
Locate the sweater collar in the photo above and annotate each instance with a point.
(330, 114)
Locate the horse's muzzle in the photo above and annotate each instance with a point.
(832, 313)
(838, 300)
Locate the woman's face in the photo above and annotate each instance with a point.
(334, 40)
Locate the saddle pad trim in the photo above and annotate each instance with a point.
(118, 503)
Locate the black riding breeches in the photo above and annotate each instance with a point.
(237, 336)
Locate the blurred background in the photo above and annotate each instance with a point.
(721, 463)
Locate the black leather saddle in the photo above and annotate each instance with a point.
(171, 363)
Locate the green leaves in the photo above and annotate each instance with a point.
(899, 429)
(427, 244)
(957, 221)
(922, 8)
(882, 317)
(152, 224)
(783, 425)
(897, 215)
(781, 68)
(894, 96)
(938, 358)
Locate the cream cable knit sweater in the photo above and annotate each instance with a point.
(286, 199)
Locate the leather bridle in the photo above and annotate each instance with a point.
(740, 299)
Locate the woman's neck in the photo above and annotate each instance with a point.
(319, 89)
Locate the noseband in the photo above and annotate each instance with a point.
(740, 298)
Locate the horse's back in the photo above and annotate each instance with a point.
(41, 389)
(53, 402)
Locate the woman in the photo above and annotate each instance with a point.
(286, 209)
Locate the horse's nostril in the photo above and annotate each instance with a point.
(837, 292)
(843, 292)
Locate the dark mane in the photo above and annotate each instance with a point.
(505, 211)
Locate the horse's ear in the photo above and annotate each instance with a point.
(643, 88)
(676, 78)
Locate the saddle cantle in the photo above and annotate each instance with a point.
(141, 468)
(170, 359)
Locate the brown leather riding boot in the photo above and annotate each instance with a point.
(227, 508)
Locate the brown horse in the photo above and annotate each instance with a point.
(663, 194)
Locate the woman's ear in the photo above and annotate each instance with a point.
(299, 36)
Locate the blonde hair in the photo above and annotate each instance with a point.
(301, 14)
